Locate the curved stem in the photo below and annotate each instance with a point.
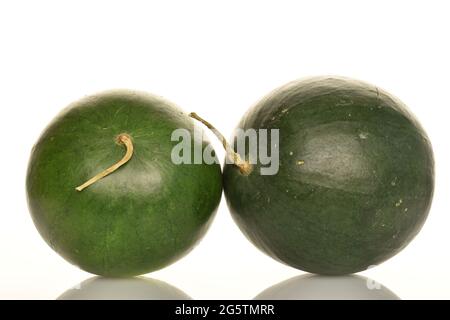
(123, 139)
(244, 166)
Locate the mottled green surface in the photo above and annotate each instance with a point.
(140, 218)
(355, 182)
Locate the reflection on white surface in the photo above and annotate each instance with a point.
(315, 287)
(139, 288)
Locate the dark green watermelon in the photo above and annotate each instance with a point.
(355, 181)
(142, 217)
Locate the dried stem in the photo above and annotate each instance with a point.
(244, 166)
(123, 139)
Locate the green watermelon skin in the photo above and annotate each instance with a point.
(147, 214)
(355, 181)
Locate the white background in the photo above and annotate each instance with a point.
(216, 58)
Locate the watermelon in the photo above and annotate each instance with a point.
(147, 212)
(355, 178)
